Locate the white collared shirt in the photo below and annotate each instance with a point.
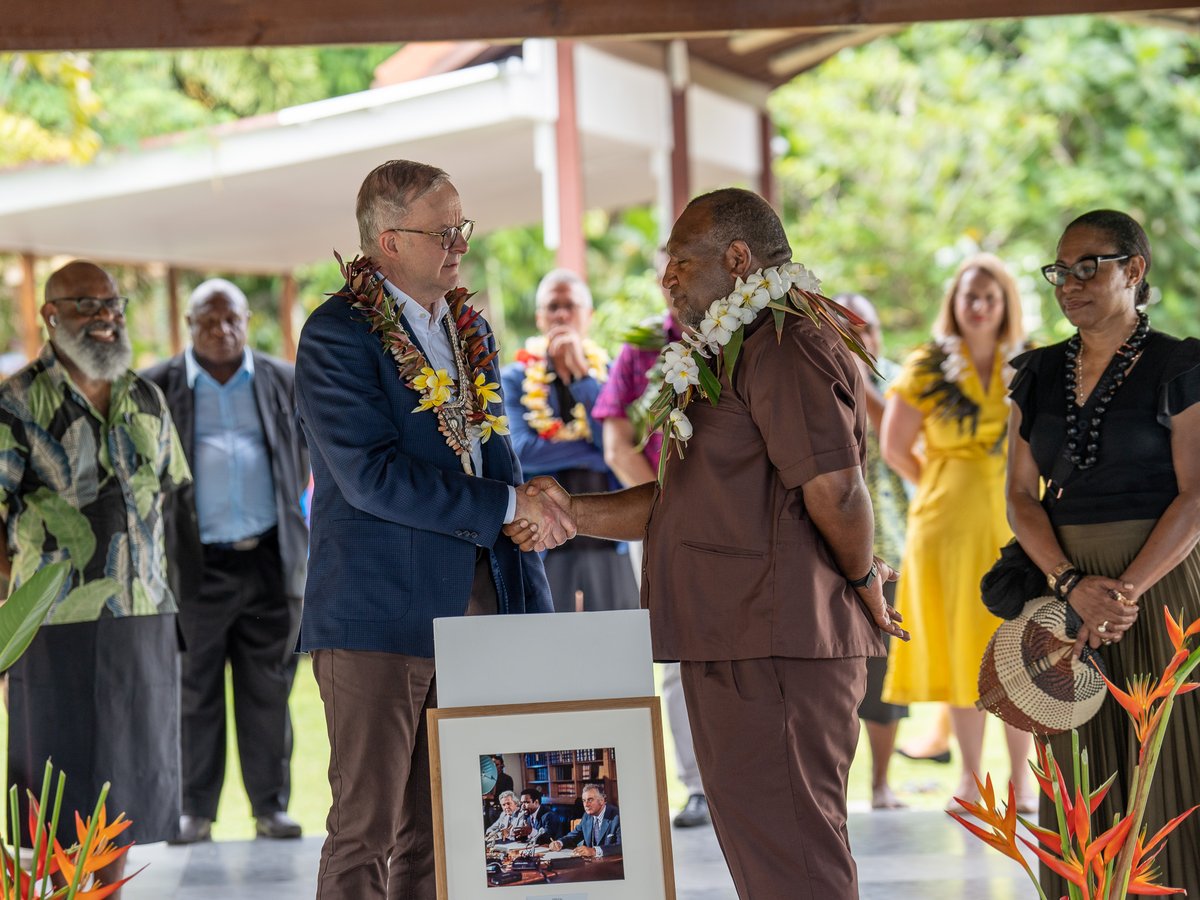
(429, 330)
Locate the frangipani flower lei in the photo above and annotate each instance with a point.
(788, 289)
(462, 415)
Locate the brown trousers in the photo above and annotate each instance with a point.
(379, 836)
(774, 741)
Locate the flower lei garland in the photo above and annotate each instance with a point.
(535, 392)
(942, 361)
(462, 415)
(788, 289)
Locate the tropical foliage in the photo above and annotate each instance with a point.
(1119, 860)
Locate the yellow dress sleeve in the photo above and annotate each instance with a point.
(912, 382)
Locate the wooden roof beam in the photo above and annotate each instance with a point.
(110, 24)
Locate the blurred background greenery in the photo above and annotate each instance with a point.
(894, 161)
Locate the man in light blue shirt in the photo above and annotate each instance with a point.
(244, 575)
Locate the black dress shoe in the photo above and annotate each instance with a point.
(943, 757)
(193, 830)
(694, 813)
(276, 825)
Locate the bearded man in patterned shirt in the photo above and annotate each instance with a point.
(88, 457)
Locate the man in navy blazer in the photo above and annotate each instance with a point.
(599, 831)
(402, 534)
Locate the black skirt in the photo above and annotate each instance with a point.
(101, 701)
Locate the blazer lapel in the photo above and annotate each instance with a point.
(180, 398)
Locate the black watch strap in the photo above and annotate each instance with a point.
(866, 580)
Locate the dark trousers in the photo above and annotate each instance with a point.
(241, 615)
(379, 841)
(774, 740)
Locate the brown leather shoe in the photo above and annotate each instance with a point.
(276, 825)
(193, 830)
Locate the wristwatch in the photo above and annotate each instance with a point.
(867, 579)
(1053, 576)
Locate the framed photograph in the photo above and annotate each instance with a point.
(564, 800)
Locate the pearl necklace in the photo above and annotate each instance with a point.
(1083, 436)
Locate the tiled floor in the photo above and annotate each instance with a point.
(901, 856)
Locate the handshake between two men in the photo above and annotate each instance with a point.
(544, 517)
(547, 516)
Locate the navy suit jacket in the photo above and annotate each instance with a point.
(396, 522)
(607, 839)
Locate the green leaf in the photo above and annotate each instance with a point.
(23, 613)
(780, 317)
(730, 354)
(708, 381)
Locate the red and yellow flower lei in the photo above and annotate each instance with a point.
(535, 388)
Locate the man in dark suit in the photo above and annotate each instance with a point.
(544, 825)
(242, 575)
(407, 512)
(599, 831)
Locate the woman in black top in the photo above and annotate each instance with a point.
(1110, 421)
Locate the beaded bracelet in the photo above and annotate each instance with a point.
(1067, 583)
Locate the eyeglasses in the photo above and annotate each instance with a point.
(449, 236)
(1084, 270)
(89, 306)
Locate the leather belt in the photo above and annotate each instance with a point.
(249, 543)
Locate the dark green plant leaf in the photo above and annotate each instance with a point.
(23, 613)
(708, 380)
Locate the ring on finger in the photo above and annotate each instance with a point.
(1103, 629)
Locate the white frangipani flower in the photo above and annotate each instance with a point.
(681, 426)
(684, 373)
(803, 278)
(713, 326)
(777, 283)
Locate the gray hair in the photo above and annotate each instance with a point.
(386, 195)
(555, 277)
(594, 787)
(214, 287)
(507, 794)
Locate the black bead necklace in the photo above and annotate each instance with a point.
(1083, 436)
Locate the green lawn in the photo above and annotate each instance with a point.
(920, 784)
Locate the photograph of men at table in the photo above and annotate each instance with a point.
(559, 823)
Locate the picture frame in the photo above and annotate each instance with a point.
(576, 750)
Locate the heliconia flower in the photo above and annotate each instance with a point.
(486, 390)
(492, 425)
(683, 374)
(681, 426)
(1176, 631)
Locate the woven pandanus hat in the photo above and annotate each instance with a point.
(1030, 678)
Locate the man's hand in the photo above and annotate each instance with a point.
(543, 518)
(585, 852)
(565, 349)
(882, 612)
(555, 846)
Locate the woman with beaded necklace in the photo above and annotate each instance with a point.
(1110, 420)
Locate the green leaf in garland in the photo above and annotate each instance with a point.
(731, 352)
(708, 381)
(780, 317)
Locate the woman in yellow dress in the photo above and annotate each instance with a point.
(944, 430)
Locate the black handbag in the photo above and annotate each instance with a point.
(1014, 579)
(1011, 582)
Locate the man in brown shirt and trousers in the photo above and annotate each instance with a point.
(758, 570)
